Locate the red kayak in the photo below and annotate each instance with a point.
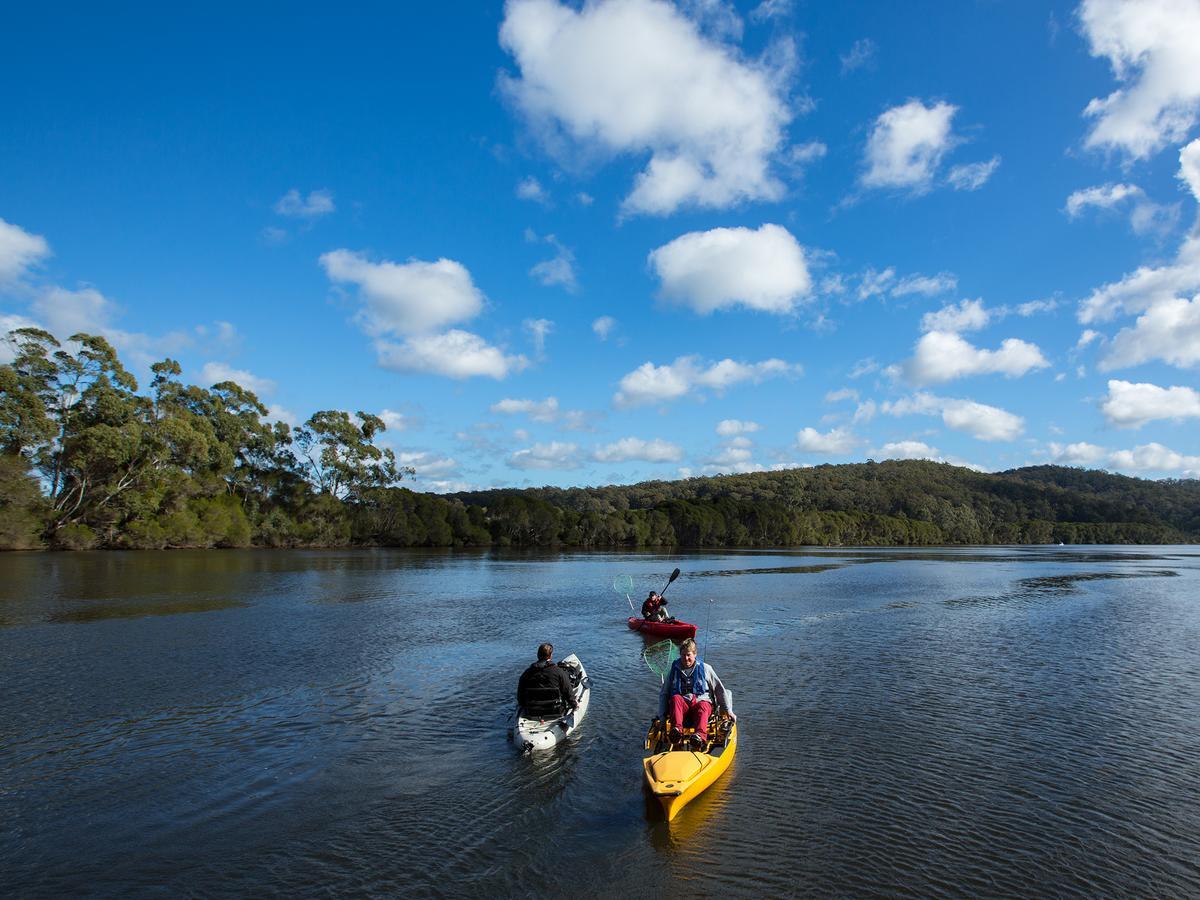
(663, 629)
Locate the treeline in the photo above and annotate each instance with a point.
(86, 461)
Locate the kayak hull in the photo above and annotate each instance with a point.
(663, 629)
(677, 777)
(530, 734)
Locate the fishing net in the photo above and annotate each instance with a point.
(660, 656)
(623, 584)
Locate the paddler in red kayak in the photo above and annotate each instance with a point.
(654, 609)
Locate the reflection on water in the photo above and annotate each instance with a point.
(1007, 721)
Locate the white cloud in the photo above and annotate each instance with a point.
(843, 394)
(715, 17)
(560, 269)
(803, 154)
(393, 420)
(972, 176)
(986, 423)
(861, 54)
(1145, 215)
(1087, 337)
(1189, 167)
(405, 298)
(11, 323)
(1154, 457)
(865, 411)
(1169, 330)
(428, 465)
(584, 198)
(771, 9)
(649, 383)
(836, 441)
(873, 283)
(927, 285)
(1080, 454)
(730, 427)
(864, 367)
(531, 189)
(67, 312)
(538, 330)
(216, 372)
(537, 410)
(966, 315)
(942, 356)
(906, 146)
(1130, 405)
(636, 77)
(455, 354)
(603, 327)
(1151, 46)
(907, 450)
(1033, 307)
(278, 413)
(763, 270)
(632, 448)
(19, 252)
(1147, 286)
(316, 204)
(555, 455)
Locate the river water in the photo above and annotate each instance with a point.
(981, 721)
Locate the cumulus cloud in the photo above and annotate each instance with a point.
(406, 298)
(603, 327)
(216, 372)
(538, 330)
(632, 448)
(1169, 330)
(972, 176)
(1080, 454)
(986, 423)
(531, 189)
(316, 204)
(1189, 167)
(1130, 405)
(731, 427)
(1145, 215)
(906, 146)
(763, 270)
(19, 252)
(554, 455)
(455, 354)
(835, 441)
(907, 450)
(942, 356)
(649, 383)
(428, 465)
(537, 410)
(9, 323)
(1145, 287)
(1151, 46)
(966, 315)
(637, 77)
(393, 420)
(873, 283)
(1154, 457)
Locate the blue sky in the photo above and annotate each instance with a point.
(563, 243)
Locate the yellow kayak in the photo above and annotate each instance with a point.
(677, 776)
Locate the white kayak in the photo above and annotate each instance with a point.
(542, 734)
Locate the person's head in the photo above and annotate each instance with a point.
(687, 653)
(652, 595)
(545, 652)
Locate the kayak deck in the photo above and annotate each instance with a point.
(676, 775)
(663, 629)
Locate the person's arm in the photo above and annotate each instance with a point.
(716, 687)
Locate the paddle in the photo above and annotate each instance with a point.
(674, 575)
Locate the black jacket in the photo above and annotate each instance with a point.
(545, 690)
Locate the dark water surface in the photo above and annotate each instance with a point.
(965, 722)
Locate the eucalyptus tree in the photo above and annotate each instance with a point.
(340, 455)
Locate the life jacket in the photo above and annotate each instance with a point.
(698, 684)
(539, 692)
(649, 607)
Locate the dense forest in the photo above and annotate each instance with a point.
(88, 461)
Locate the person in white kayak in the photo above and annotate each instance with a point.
(688, 693)
(544, 689)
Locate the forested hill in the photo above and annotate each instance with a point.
(894, 502)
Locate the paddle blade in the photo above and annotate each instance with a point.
(660, 656)
(623, 585)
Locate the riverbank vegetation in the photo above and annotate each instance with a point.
(87, 461)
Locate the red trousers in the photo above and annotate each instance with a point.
(683, 712)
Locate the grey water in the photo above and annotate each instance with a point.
(947, 722)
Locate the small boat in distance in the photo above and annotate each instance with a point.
(674, 629)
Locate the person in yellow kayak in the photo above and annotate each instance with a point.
(544, 689)
(688, 694)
